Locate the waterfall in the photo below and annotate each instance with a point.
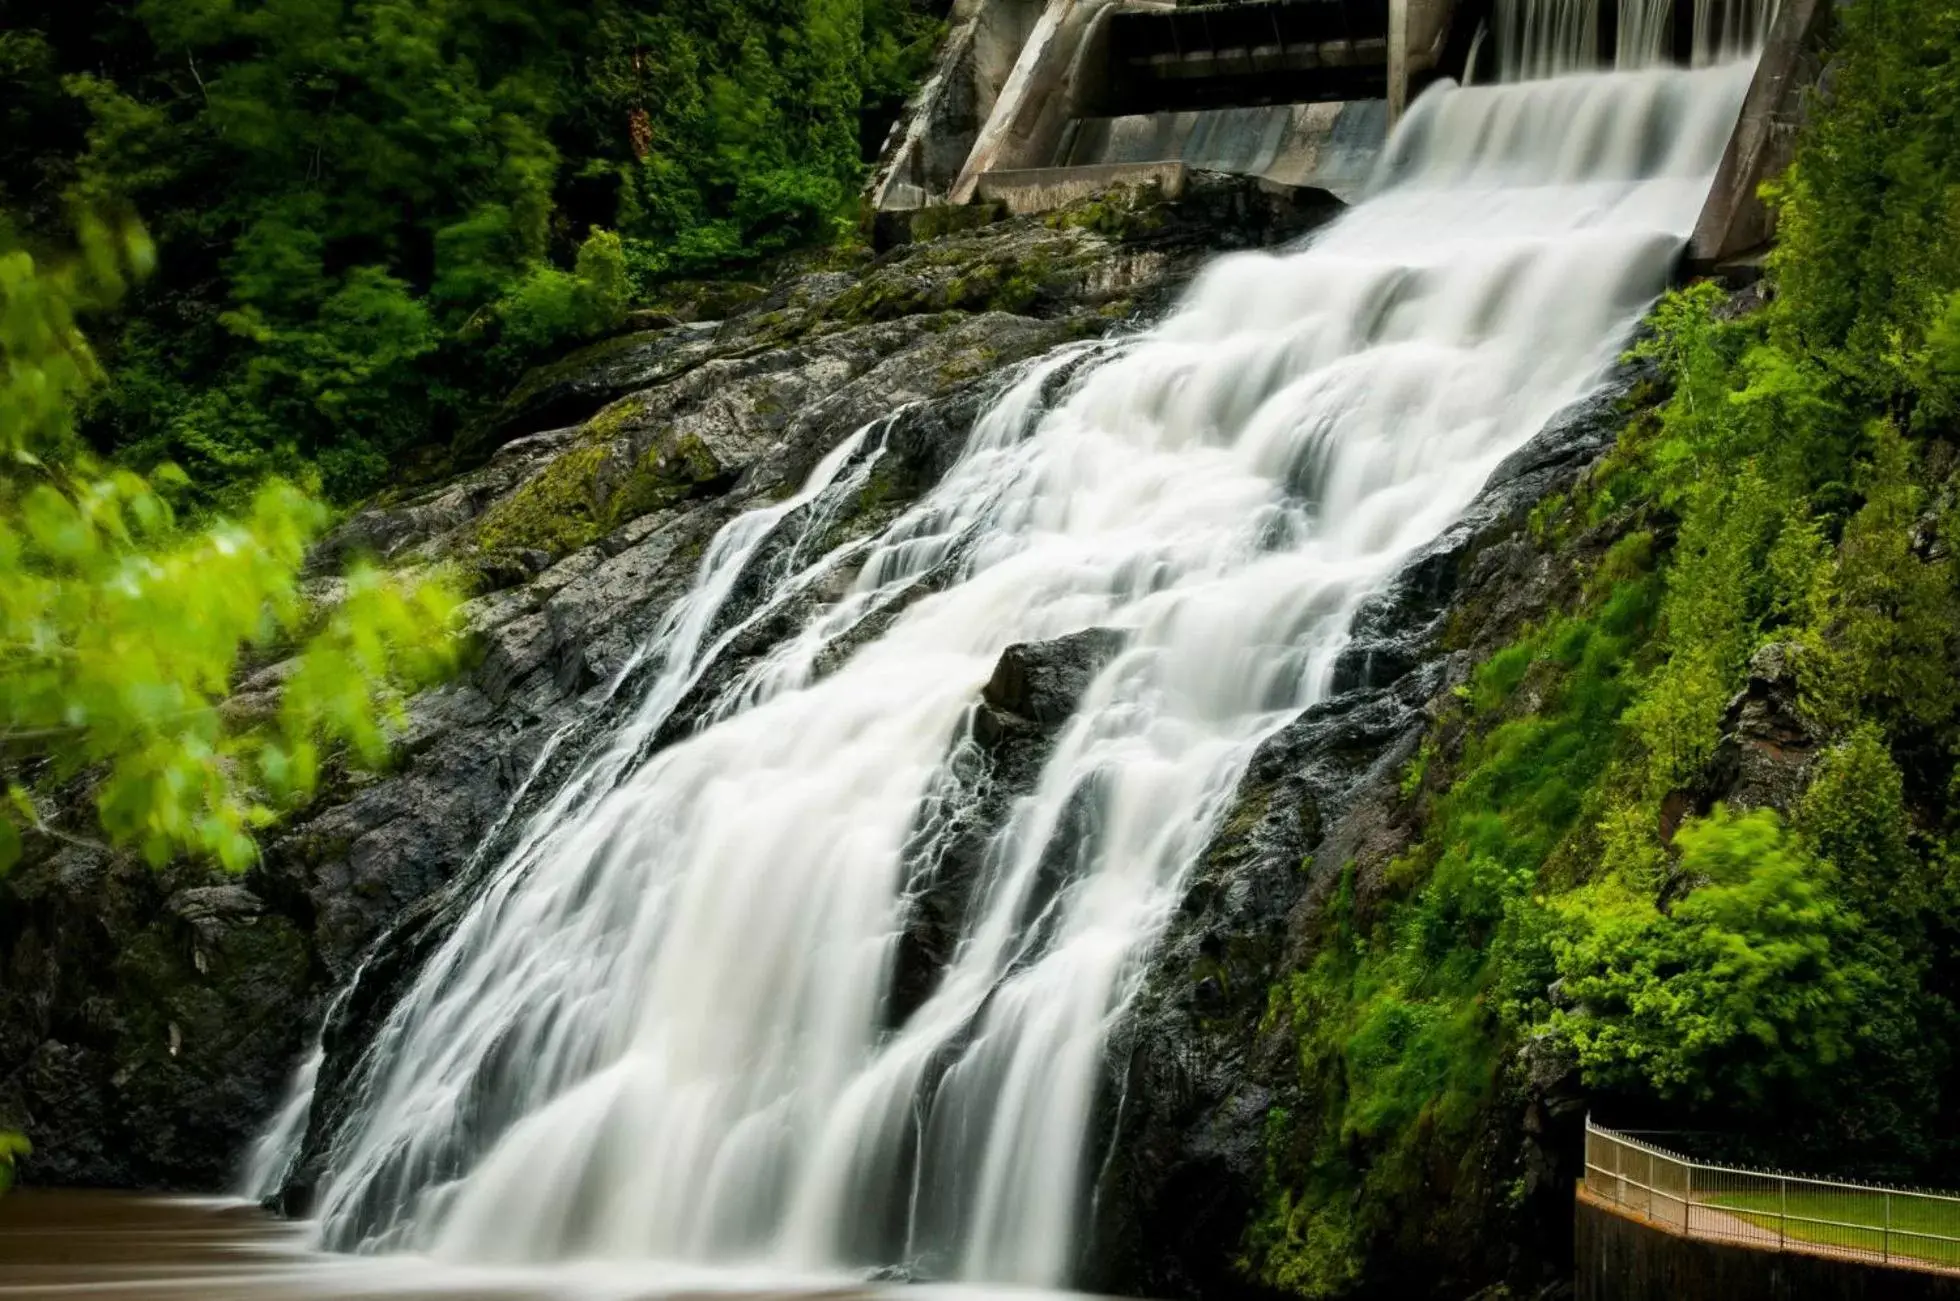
(1551, 38)
(1546, 38)
(661, 1030)
(1729, 29)
(1645, 26)
(277, 1149)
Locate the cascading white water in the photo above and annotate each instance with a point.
(1550, 38)
(1546, 38)
(661, 1031)
(271, 1159)
(1730, 29)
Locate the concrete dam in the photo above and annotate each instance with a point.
(1037, 103)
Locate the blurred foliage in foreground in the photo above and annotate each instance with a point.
(12, 1147)
(123, 630)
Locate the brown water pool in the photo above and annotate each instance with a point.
(85, 1246)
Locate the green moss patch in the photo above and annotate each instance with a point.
(588, 492)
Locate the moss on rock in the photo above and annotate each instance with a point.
(592, 490)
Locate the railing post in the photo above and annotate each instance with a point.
(1688, 1203)
(1888, 1227)
(1783, 1211)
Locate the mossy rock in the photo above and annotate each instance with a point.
(936, 222)
(707, 300)
(592, 490)
(1126, 213)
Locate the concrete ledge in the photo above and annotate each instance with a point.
(1330, 146)
(1043, 189)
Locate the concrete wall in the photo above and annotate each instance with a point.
(935, 136)
(1329, 146)
(1418, 33)
(1059, 74)
(1023, 85)
(1736, 222)
(1619, 1259)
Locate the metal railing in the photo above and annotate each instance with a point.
(1764, 1208)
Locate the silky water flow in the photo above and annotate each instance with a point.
(1548, 38)
(661, 1031)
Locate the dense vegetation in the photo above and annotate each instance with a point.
(1579, 893)
(366, 215)
(122, 629)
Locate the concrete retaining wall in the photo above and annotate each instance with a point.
(1736, 222)
(1619, 1259)
(1330, 146)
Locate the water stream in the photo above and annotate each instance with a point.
(1549, 38)
(662, 1030)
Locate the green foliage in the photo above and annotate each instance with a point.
(1402, 1015)
(1751, 986)
(369, 215)
(49, 364)
(122, 629)
(12, 1147)
(549, 304)
(1881, 619)
(1869, 245)
(1574, 891)
(1855, 814)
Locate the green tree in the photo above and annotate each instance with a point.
(369, 214)
(123, 629)
(1753, 984)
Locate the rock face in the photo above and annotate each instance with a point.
(148, 1020)
(1032, 693)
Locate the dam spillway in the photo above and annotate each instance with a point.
(1035, 103)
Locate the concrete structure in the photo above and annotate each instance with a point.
(1058, 98)
(1418, 45)
(1300, 92)
(930, 144)
(1737, 224)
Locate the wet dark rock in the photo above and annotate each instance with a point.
(1485, 550)
(1043, 682)
(143, 1018)
(1763, 759)
(570, 390)
(1016, 722)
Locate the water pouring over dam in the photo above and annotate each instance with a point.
(666, 1028)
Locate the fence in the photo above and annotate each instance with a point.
(1761, 1208)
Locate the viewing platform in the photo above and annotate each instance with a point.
(1654, 1224)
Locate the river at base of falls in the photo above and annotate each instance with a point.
(99, 1246)
(660, 1033)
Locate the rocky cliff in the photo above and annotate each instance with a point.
(148, 1021)
(1205, 1066)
